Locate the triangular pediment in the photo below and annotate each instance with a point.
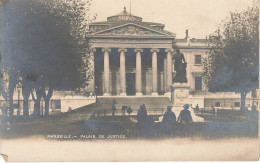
(131, 29)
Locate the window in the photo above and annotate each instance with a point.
(237, 104)
(198, 83)
(56, 104)
(217, 104)
(197, 59)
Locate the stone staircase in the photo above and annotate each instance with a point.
(133, 102)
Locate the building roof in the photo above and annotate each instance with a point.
(124, 12)
(124, 24)
(193, 40)
(125, 17)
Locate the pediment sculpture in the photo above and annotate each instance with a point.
(130, 30)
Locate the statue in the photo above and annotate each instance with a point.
(180, 66)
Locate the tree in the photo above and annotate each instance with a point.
(232, 63)
(45, 43)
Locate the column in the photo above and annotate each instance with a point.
(92, 64)
(165, 73)
(138, 75)
(106, 72)
(155, 73)
(122, 72)
(169, 69)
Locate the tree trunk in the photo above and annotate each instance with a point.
(47, 100)
(243, 101)
(37, 107)
(47, 104)
(26, 95)
(10, 101)
(39, 95)
(11, 93)
(25, 106)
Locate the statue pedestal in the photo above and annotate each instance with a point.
(180, 94)
(180, 97)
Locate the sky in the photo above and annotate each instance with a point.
(200, 17)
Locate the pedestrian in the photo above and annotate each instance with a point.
(141, 119)
(129, 110)
(185, 120)
(114, 107)
(69, 110)
(124, 109)
(169, 121)
(197, 108)
(142, 113)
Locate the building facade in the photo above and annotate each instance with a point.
(134, 58)
(131, 57)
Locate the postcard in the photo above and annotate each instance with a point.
(128, 80)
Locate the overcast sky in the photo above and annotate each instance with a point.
(201, 17)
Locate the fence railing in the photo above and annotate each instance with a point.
(110, 112)
(221, 112)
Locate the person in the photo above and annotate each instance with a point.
(141, 119)
(124, 109)
(142, 113)
(114, 107)
(185, 115)
(69, 110)
(197, 108)
(185, 120)
(169, 121)
(214, 111)
(129, 110)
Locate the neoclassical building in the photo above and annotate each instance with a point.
(134, 58)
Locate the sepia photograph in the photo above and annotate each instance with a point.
(129, 80)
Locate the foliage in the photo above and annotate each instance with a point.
(232, 64)
(45, 42)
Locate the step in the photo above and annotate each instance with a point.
(135, 100)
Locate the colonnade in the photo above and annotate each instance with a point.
(138, 81)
